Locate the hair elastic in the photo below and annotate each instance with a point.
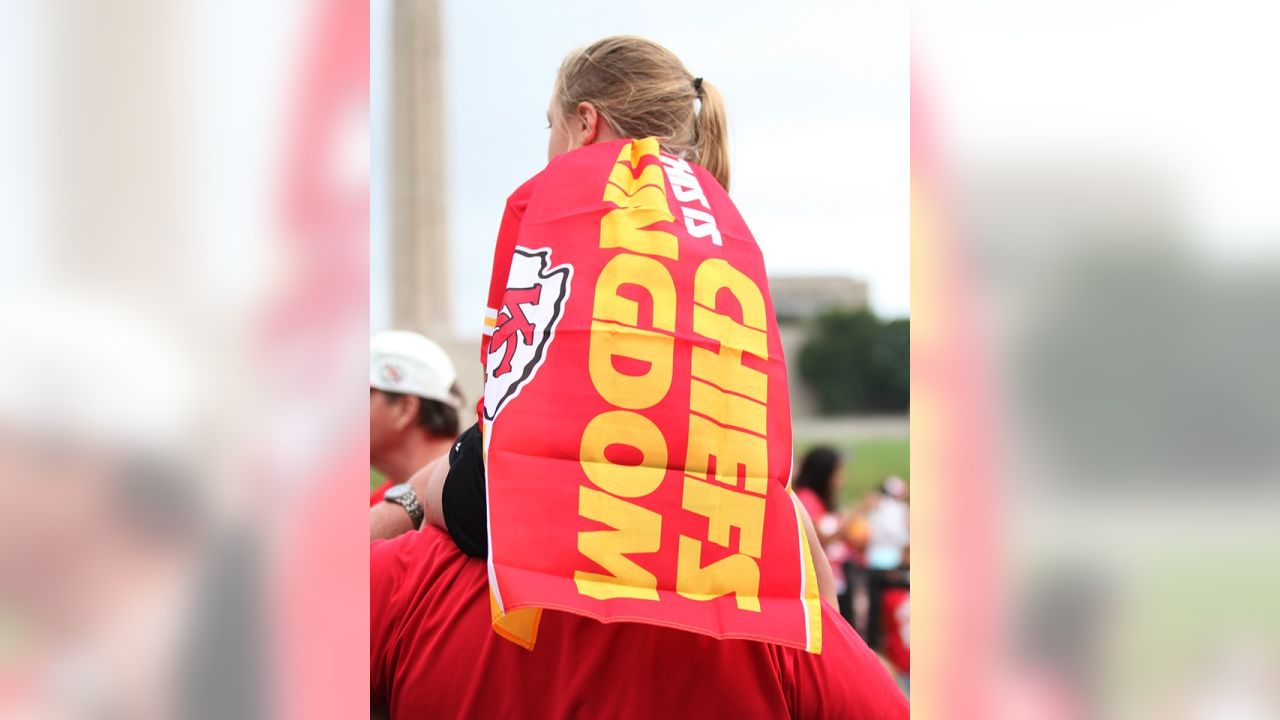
(697, 85)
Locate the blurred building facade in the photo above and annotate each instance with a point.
(797, 300)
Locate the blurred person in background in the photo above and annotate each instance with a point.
(413, 406)
(817, 486)
(888, 526)
(880, 596)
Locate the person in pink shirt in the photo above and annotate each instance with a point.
(817, 486)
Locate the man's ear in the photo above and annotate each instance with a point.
(406, 412)
(588, 123)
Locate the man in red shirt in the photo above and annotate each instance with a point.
(413, 406)
(434, 654)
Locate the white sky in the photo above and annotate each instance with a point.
(1182, 88)
(817, 96)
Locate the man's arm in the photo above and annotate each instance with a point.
(846, 680)
(387, 520)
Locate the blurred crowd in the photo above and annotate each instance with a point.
(868, 543)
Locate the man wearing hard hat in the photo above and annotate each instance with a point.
(413, 406)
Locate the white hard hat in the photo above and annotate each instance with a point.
(409, 363)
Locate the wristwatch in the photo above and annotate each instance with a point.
(404, 496)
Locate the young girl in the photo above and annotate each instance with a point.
(817, 486)
(616, 88)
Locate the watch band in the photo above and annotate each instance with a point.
(404, 496)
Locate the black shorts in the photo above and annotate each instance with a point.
(463, 501)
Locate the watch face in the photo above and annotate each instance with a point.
(395, 492)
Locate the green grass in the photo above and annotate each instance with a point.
(375, 479)
(867, 462)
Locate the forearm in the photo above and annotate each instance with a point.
(387, 520)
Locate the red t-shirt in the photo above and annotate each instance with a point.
(433, 654)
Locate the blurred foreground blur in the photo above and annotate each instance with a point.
(183, 328)
(183, 323)
(1096, 283)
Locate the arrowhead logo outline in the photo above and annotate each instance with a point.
(531, 309)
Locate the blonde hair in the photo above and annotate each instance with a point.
(642, 89)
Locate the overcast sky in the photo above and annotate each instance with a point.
(1182, 89)
(817, 98)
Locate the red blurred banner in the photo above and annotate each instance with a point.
(637, 422)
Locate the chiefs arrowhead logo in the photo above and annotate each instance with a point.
(525, 325)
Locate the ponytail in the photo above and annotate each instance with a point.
(711, 139)
(643, 90)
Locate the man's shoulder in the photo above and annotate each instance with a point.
(421, 579)
(847, 678)
(399, 549)
(412, 556)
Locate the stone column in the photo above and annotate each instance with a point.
(419, 245)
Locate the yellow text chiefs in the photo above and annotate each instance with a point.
(726, 463)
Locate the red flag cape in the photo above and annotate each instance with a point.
(637, 427)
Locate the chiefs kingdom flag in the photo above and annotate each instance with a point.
(637, 427)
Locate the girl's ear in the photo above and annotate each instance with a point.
(588, 123)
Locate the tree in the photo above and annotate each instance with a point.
(854, 362)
